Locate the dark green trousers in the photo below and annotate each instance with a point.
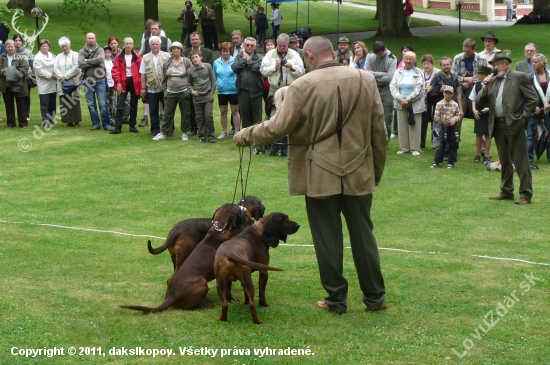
(325, 221)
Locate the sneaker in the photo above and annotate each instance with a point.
(450, 166)
(159, 137)
(477, 159)
(95, 128)
(416, 153)
(392, 136)
(433, 165)
(400, 152)
(211, 140)
(485, 161)
(533, 166)
(184, 137)
(232, 132)
(255, 150)
(222, 135)
(202, 140)
(144, 121)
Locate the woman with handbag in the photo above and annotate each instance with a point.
(46, 80)
(22, 51)
(13, 85)
(68, 73)
(407, 89)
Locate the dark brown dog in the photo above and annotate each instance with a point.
(237, 258)
(186, 234)
(187, 287)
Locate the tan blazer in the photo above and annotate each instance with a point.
(323, 161)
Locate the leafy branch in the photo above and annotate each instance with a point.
(92, 9)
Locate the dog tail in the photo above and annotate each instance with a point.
(167, 304)
(253, 265)
(156, 251)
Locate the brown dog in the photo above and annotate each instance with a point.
(186, 234)
(237, 258)
(187, 287)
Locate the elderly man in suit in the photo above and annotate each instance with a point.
(512, 101)
(525, 65)
(334, 119)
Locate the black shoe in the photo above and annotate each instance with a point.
(202, 140)
(115, 131)
(95, 128)
(211, 140)
(477, 159)
(533, 166)
(133, 130)
(485, 161)
(191, 134)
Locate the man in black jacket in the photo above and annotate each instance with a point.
(250, 83)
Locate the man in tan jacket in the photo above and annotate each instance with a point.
(337, 136)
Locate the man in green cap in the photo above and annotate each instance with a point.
(343, 51)
(512, 101)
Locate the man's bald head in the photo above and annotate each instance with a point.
(317, 50)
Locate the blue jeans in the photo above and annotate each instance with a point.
(530, 144)
(509, 14)
(98, 88)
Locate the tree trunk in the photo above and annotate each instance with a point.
(26, 5)
(391, 19)
(542, 6)
(378, 2)
(218, 9)
(150, 10)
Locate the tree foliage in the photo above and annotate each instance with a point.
(93, 9)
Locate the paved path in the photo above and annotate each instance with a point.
(448, 25)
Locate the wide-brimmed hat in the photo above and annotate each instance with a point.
(490, 35)
(486, 70)
(500, 56)
(293, 38)
(176, 44)
(449, 89)
(343, 39)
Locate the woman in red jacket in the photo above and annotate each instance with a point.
(127, 79)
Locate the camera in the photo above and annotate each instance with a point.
(283, 62)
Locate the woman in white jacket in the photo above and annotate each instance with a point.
(66, 68)
(46, 80)
(407, 89)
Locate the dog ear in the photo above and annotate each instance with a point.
(270, 234)
(259, 211)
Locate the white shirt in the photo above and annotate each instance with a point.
(108, 72)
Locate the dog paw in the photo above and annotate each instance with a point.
(264, 304)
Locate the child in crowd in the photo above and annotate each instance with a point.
(202, 86)
(447, 113)
(481, 115)
(111, 94)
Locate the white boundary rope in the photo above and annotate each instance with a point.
(282, 244)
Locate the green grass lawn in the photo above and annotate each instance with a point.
(77, 209)
(127, 21)
(470, 15)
